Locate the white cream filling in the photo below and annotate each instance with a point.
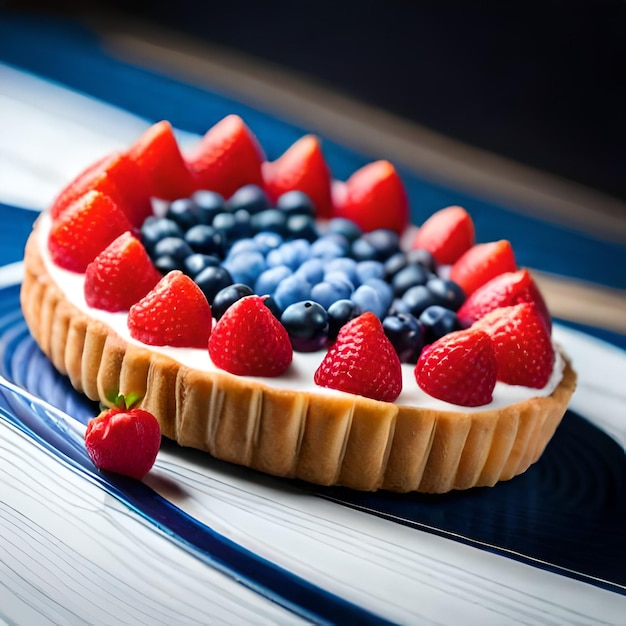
(299, 376)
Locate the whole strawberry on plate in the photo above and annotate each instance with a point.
(124, 439)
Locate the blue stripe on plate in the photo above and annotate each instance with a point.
(68, 52)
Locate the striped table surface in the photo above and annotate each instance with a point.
(202, 542)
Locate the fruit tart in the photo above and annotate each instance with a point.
(298, 325)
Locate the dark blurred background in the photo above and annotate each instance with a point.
(542, 83)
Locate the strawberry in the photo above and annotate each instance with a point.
(227, 158)
(249, 341)
(522, 344)
(174, 313)
(118, 177)
(158, 156)
(302, 167)
(459, 368)
(120, 275)
(373, 197)
(362, 361)
(481, 263)
(446, 234)
(86, 227)
(124, 440)
(506, 289)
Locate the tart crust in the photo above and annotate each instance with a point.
(339, 439)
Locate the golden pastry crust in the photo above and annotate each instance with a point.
(340, 439)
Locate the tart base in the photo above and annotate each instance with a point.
(341, 439)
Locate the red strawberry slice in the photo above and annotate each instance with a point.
(446, 234)
(175, 313)
(249, 341)
(362, 361)
(159, 157)
(118, 177)
(459, 368)
(227, 158)
(303, 168)
(124, 441)
(120, 275)
(481, 263)
(506, 289)
(373, 197)
(84, 229)
(522, 344)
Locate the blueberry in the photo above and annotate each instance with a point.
(406, 334)
(206, 240)
(247, 244)
(306, 323)
(301, 227)
(168, 263)
(312, 270)
(417, 299)
(329, 247)
(246, 267)
(154, 229)
(184, 212)
(209, 204)
(369, 269)
(227, 296)
(195, 263)
(249, 197)
(243, 224)
(271, 220)
(438, 321)
(231, 227)
(423, 257)
(292, 289)
(345, 265)
(327, 293)
(296, 203)
(368, 299)
(394, 264)
(383, 289)
(363, 250)
(267, 241)
(408, 277)
(339, 314)
(268, 280)
(384, 241)
(211, 280)
(291, 253)
(175, 247)
(344, 227)
(446, 292)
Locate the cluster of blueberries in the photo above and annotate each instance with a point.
(316, 279)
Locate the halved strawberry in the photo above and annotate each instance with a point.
(86, 227)
(120, 275)
(481, 263)
(118, 177)
(159, 157)
(248, 340)
(373, 197)
(174, 313)
(124, 440)
(301, 167)
(522, 344)
(362, 361)
(506, 289)
(227, 158)
(446, 234)
(459, 368)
